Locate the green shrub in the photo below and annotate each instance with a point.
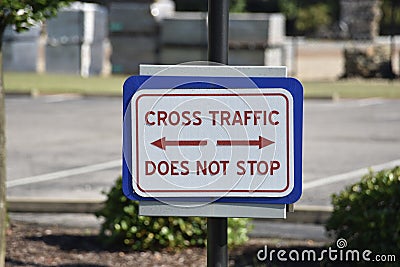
(123, 227)
(367, 214)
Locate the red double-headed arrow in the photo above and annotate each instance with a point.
(261, 142)
(163, 143)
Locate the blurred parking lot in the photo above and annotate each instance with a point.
(69, 147)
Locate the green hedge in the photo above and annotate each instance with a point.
(367, 214)
(123, 227)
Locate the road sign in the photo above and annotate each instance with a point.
(213, 138)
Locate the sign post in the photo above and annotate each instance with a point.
(201, 142)
(218, 28)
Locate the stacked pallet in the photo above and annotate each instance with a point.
(133, 36)
(183, 38)
(21, 50)
(77, 40)
(254, 39)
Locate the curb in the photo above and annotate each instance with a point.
(310, 214)
(302, 213)
(39, 205)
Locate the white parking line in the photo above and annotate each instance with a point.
(117, 163)
(346, 103)
(60, 98)
(370, 102)
(349, 175)
(65, 173)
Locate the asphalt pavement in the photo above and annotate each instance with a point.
(70, 146)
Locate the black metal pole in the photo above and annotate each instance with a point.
(218, 26)
(218, 21)
(217, 242)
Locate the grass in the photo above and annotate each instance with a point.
(54, 84)
(353, 89)
(61, 83)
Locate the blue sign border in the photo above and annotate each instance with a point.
(292, 85)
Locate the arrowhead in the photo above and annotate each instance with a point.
(263, 142)
(160, 143)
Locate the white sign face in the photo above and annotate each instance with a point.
(212, 143)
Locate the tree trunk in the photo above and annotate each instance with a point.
(3, 211)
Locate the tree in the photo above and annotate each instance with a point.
(21, 15)
(307, 16)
